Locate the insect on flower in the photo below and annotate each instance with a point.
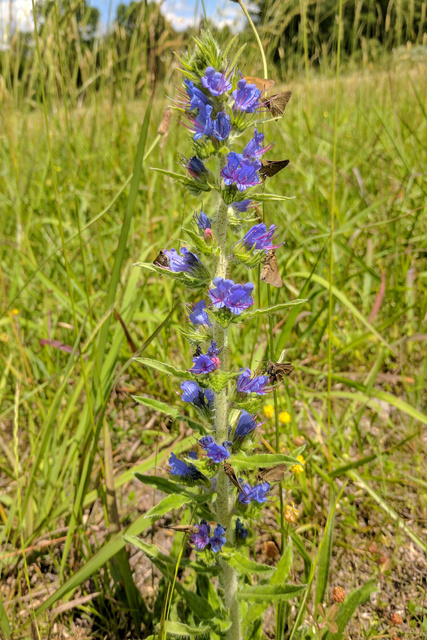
(270, 271)
(269, 168)
(228, 469)
(277, 371)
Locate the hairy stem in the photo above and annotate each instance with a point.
(223, 510)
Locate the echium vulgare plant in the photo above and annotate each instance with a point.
(224, 484)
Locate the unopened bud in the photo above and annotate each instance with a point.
(165, 123)
(299, 441)
(396, 618)
(338, 595)
(208, 234)
(270, 549)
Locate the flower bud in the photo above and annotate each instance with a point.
(270, 549)
(338, 595)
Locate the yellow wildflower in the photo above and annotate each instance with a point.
(297, 468)
(291, 513)
(15, 312)
(284, 417)
(269, 411)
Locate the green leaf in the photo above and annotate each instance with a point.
(112, 547)
(160, 483)
(324, 557)
(270, 197)
(284, 565)
(300, 547)
(347, 609)
(241, 461)
(270, 310)
(168, 369)
(152, 552)
(4, 622)
(245, 566)
(270, 593)
(181, 631)
(164, 408)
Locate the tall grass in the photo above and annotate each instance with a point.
(80, 205)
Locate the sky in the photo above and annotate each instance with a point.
(181, 13)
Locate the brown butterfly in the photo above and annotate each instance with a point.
(233, 477)
(276, 371)
(162, 260)
(271, 167)
(272, 474)
(270, 271)
(263, 84)
(277, 103)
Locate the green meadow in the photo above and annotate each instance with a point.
(81, 203)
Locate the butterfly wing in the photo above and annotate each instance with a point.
(269, 168)
(277, 103)
(162, 260)
(263, 84)
(270, 271)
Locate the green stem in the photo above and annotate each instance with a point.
(223, 510)
(257, 38)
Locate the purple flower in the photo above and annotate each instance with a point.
(245, 426)
(222, 126)
(215, 82)
(199, 315)
(203, 222)
(217, 452)
(204, 364)
(254, 149)
(258, 493)
(241, 532)
(260, 237)
(242, 206)
(246, 97)
(206, 441)
(180, 468)
(197, 97)
(235, 297)
(213, 350)
(218, 539)
(239, 298)
(196, 168)
(246, 384)
(241, 171)
(201, 539)
(201, 398)
(203, 123)
(187, 261)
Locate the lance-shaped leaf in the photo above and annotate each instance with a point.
(165, 368)
(270, 593)
(347, 609)
(242, 461)
(245, 566)
(270, 310)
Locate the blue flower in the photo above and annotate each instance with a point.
(235, 297)
(245, 426)
(187, 261)
(260, 237)
(258, 493)
(246, 384)
(196, 168)
(180, 468)
(241, 532)
(203, 222)
(218, 539)
(201, 398)
(254, 149)
(199, 315)
(246, 97)
(241, 170)
(213, 350)
(203, 125)
(201, 539)
(206, 441)
(197, 97)
(215, 82)
(216, 452)
(242, 206)
(221, 126)
(204, 364)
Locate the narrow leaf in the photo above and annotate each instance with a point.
(347, 609)
(241, 461)
(270, 593)
(164, 368)
(245, 566)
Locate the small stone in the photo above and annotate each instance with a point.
(396, 618)
(338, 595)
(270, 549)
